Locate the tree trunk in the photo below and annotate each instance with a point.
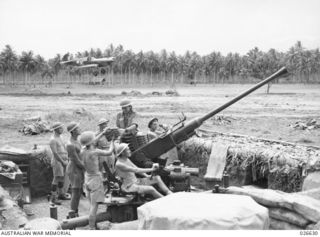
(268, 88)
(172, 78)
(111, 71)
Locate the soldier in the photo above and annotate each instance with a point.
(103, 144)
(155, 130)
(59, 162)
(75, 167)
(127, 117)
(128, 128)
(127, 170)
(93, 176)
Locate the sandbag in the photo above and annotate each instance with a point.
(288, 216)
(266, 197)
(129, 225)
(203, 211)
(314, 193)
(313, 226)
(311, 181)
(45, 223)
(308, 207)
(281, 225)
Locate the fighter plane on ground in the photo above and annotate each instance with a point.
(87, 62)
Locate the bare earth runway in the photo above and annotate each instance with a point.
(259, 114)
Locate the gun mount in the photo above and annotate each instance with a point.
(162, 144)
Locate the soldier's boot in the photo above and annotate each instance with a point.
(53, 199)
(64, 196)
(71, 214)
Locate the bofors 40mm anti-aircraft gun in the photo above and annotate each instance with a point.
(162, 144)
(126, 211)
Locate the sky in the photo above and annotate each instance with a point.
(48, 27)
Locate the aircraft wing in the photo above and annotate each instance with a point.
(102, 60)
(87, 66)
(69, 62)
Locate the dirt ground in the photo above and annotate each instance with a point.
(261, 115)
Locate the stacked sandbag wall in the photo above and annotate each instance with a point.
(287, 211)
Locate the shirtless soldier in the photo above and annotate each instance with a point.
(59, 162)
(93, 176)
(103, 144)
(75, 167)
(130, 183)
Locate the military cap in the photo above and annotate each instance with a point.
(87, 138)
(56, 125)
(72, 126)
(151, 121)
(120, 148)
(102, 121)
(125, 103)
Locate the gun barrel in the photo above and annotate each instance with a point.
(277, 74)
(191, 170)
(159, 146)
(83, 221)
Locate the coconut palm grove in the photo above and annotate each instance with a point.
(148, 68)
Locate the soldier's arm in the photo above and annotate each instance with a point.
(53, 146)
(141, 174)
(109, 152)
(132, 128)
(99, 135)
(136, 170)
(74, 156)
(118, 121)
(151, 135)
(165, 127)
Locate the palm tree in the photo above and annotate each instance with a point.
(172, 66)
(214, 64)
(27, 64)
(9, 63)
(54, 65)
(163, 64)
(297, 60)
(152, 64)
(128, 64)
(140, 65)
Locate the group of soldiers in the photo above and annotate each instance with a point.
(78, 164)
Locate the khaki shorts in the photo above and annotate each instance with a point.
(57, 168)
(94, 188)
(141, 186)
(57, 179)
(76, 179)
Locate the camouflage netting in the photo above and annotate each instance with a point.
(268, 164)
(40, 171)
